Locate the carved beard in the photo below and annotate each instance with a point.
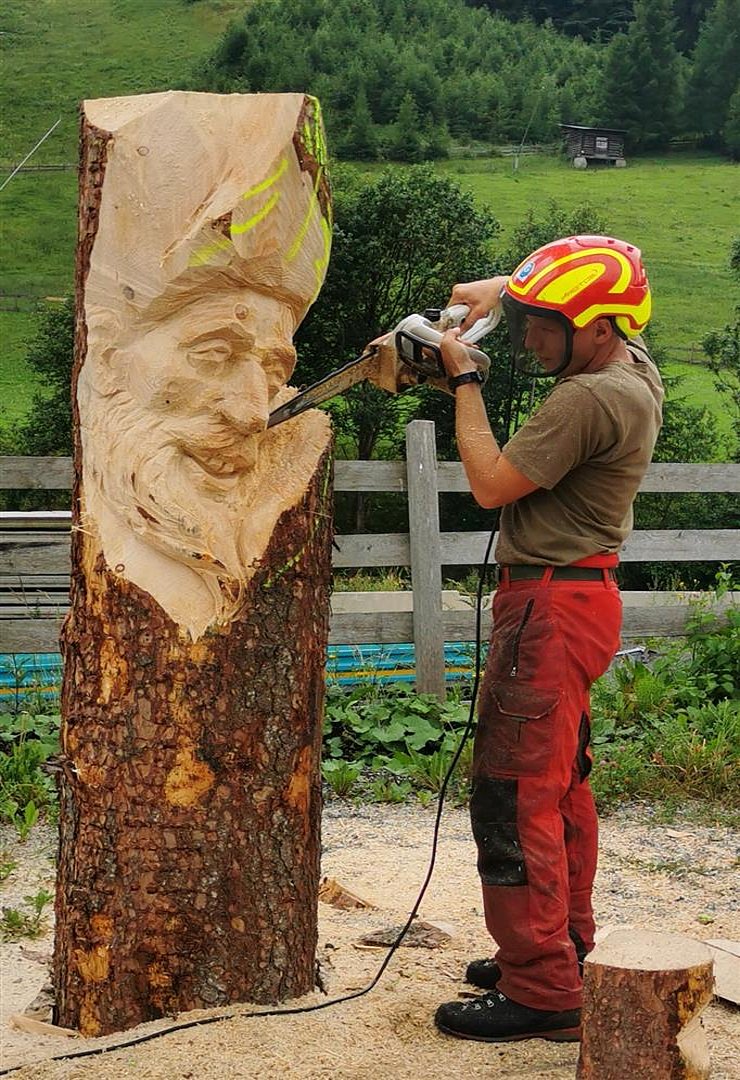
(171, 503)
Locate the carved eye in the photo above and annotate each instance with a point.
(212, 351)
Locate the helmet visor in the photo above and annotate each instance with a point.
(541, 340)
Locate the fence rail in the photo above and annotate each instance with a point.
(35, 554)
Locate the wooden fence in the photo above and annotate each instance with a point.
(34, 554)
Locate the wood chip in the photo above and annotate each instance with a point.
(38, 1027)
(421, 935)
(331, 892)
(726, 956)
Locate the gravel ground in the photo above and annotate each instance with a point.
(680, 878)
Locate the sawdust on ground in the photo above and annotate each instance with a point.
(680, 877)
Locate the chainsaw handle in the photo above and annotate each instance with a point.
(457, 313)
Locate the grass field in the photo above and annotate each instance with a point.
(682, 210)
(57, 52)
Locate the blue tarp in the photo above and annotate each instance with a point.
(22, 673)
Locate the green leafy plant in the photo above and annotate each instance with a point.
(26, 742)
(7, 865)
(15, 924)
(404, 741)
(341, 776)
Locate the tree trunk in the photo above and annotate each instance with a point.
(643, 994)
(195, 645)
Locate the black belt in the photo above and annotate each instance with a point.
(529, 572)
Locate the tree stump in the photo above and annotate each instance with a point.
(643, 994)
(195, 646)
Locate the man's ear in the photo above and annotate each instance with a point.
(603, 331)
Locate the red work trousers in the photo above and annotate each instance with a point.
(532, 811)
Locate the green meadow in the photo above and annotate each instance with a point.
(682, 210)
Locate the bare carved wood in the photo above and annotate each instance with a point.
(194, 648)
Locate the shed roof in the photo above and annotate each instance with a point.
(582, 127)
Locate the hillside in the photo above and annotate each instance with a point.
(56, 52)
(681, 209)
(53, 53)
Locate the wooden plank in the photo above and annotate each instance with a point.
(35, 519)
(646, 615)
(378, 549)
(53, 473)
(24, 552)
(676, 476)
(371, 628)
(426, 568)
(369, 475)
(29, 635)
(668, 545)
(31, 473)
(682, 545)
(34, 553)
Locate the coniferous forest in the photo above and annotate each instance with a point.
(407, 79)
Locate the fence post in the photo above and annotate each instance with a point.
(426, 567)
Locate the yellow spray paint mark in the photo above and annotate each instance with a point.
(255, 219)
(313, 203)
(320, 264)
(189, 780)
(266, 184)
(204, 254)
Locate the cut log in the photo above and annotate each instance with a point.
(194, 648)
(643, 994)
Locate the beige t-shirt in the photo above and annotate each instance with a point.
(587, 447)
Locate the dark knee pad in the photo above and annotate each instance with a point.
(494, 820)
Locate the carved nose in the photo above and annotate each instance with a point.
(244, 402)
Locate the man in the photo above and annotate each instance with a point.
(566, 482)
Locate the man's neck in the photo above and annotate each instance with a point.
(614, 352)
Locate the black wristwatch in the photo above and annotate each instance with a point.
(466, 377)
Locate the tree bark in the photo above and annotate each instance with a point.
(193, 688)
(643, 994)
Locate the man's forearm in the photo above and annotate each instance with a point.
(476, 443)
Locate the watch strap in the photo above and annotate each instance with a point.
(466, 377)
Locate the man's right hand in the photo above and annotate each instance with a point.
(480, 296)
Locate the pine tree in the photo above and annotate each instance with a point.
(406, 142)
(641, 84)
(714, 77)
(731, 131)
(689, 15)
(361, 143)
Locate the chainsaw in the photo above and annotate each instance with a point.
(408, 356)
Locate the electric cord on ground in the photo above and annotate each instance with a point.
(233, 1014)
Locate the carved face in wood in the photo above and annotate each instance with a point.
(208, 376)
(212, 241)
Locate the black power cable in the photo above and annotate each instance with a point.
(232, 1015)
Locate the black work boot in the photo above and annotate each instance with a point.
(496, 1018)
(486, 973)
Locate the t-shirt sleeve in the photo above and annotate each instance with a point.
(568, 428)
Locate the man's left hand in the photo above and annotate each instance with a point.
(455, 356)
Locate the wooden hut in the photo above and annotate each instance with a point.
(584, 144)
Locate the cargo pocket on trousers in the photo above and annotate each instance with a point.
(515, 729)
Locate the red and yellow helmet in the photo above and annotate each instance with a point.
(579, 279)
